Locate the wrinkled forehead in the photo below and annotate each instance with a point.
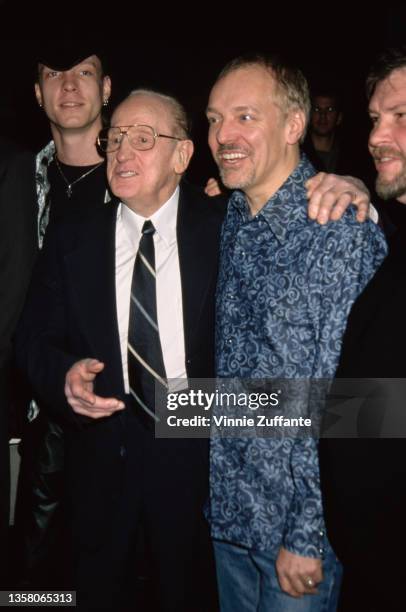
(143, 109)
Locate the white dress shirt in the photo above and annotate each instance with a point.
(168, 283)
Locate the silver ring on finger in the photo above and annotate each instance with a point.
(309, 582)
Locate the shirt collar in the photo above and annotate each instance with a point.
(285, 207)
(164, 221)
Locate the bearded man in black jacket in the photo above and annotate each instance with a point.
(364, 480)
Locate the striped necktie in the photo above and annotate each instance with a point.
(145, 361)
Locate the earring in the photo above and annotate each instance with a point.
(105, 102)
(39, 104)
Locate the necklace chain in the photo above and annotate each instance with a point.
(70, 185)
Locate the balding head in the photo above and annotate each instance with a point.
(145, 179)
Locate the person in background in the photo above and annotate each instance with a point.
(322, 143)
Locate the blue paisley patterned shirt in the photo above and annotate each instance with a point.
(285, 288)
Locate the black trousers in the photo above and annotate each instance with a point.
(160, 488)
(40, 512)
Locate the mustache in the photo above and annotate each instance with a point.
(229, 148)
(380, 152)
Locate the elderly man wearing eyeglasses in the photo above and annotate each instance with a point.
(120, 301)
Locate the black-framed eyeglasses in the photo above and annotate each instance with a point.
(140, 137)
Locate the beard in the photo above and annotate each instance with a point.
(394, 187)
(231, 178)
(236, 182)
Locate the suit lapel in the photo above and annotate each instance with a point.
(198, 256)
(92, 270)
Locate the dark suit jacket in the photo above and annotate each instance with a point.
(364, 480)
(71, 309)
(17, 254)
(71, 314)
(18, 213)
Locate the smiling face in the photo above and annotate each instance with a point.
(144, 180)
(253, 142)
(387, 141)
(72, 99)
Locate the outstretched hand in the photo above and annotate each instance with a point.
(79, 391)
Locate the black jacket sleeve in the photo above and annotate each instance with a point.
(18, 212)
(42, 347)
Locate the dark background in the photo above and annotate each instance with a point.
(180, 49)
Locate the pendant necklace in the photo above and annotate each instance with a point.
(70, 185)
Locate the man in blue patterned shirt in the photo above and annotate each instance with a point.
(285, 288)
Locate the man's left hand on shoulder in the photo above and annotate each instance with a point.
(330, 195)
(298, 575)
